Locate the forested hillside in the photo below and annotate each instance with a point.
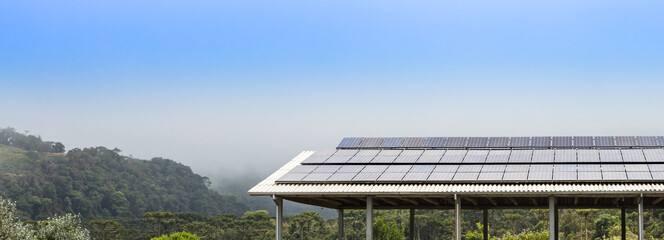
(99, 182)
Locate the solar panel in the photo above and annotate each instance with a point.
(647, 141)
(350, 168)
(475, 156)
(446, 168)
(477, 142)
(342, 156)
(490, 176)
(366, 177)
(613, 168)
(612, 155)
(341, 177)
(435, 142)
(614, 176)
(499, 142)
(371, 142)
(656, 167)
(392, 142)
(374, 169)
(657, 175)
(292, 177)
(498, 156)
(363, 156)
(431, 156)
(562, 142)
(587, 155)
(583, 141)
(515, 176)
(589, 176)
(398, 168)
(565, 155)
(589, 167)
(422, 169)
(386, 156)
(660, 140)
(350, 142)
(521, 156)
(409, 156)
(456, 142)
(540, 141)
(540, 176)
(517, 168)
(564, 176)
(564, 168)
(636, 167)
(469, 168)
(414, 142)
(604, 141)
(494, 168)
(442, 176)
(543, 155)
(316, 177)
(520, 142)
(626, 141)
(633, 155)
(453, 156)
(327, 168)
(391, 176)
(319, 156)
(654, 155)
(303, 168)
(416, 176)
(465, 176)
(541, 168)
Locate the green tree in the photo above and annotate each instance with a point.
(387, 230)
(67, 226)
(178, 236)
(160, 223)
(10, 227)
(307, 225)
(106, 230)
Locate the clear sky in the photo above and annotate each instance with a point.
(236, 86)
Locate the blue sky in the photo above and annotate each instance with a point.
(232, 84)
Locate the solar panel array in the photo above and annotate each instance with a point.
(485, 159)
(504, 142)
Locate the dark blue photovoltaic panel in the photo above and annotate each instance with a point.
(520, 142)
(540, 142)
(456, 142)
(644, 141)
(562, 141)
(435, 142)
(499, 142)
(477, 142)
(392, 142)
(626, 141)
(583, 141)
(660, 140)
(350, 142)
(414, 142)
(371, 142)
(605, 141)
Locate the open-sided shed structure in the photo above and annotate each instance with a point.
(475, 173)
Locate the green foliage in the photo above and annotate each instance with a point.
(477, 234)
(10, 137)
(98, 183)
(307, 225)
(178, 236)
(67, 226)
(10, 227)
(387, 230)
(106, 229)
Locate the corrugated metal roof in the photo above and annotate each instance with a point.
(269, 187)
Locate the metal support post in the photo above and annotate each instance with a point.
(485, 222)
(369, 218)
(279, 217)
(412, 224)
(457, 203)
(552, 218)
(641, 217)
(623, 230)
(341, 223)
